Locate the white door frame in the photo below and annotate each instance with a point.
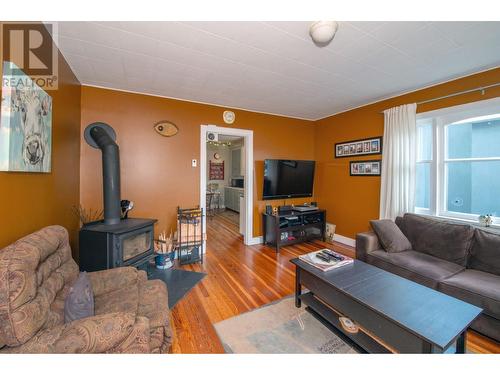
(248, 238)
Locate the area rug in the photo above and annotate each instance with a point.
(179, 282)
(279, 327)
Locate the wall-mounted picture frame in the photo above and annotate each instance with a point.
(25, 123)
(359, 147)
(365, 168)
(216, 170)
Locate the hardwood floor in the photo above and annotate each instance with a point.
(241, 278)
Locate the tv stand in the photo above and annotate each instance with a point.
(305, 208)
(293, 227)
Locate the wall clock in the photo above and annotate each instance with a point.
(216, 156)
(228, 117)
(166, 128)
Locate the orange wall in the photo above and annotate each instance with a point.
(352, 201)
(30, 201)
(156, 171)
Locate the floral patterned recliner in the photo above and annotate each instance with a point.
(36, 272)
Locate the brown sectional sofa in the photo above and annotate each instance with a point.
(36, 272)
(455, 258)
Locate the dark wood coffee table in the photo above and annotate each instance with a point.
(395, 314)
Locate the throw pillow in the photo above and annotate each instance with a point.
(485, 253)
(390, 236)
(444, 239)
(79, 302)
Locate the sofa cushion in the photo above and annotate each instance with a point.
(390, 236)
(121, 300)
(143, 298)
(419, 267)
(485, 252)
(153, 302)
(79, 303)
(476, 287)
(400, 223)
(442, 239)
(106, 281)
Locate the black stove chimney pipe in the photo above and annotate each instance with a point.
(102, 136)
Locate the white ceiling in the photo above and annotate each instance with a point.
(274, 67)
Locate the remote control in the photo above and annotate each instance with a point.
(332, 254)
(323, 257)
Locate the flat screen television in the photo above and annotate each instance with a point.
(288, 178)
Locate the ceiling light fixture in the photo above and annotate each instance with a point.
(322, 32)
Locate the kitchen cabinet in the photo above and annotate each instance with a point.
(236, 162)
(232, 198)
(228, 201)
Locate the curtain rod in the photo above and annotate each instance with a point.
(482, 88)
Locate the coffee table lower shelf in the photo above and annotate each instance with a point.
(361, 341)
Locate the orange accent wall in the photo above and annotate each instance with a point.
(30, 201)
(352, 201)
(156, 171)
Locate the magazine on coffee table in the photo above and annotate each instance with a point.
(326, 259)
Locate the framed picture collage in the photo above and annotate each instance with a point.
(361, 147)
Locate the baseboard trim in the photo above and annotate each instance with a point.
(345, 240)
(255, 240)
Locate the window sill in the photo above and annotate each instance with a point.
(475, 223)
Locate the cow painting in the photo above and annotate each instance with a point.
(26, 126)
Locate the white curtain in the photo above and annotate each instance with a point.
(397, 193)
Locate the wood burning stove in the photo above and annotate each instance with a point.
(128, 243)
(113, 242)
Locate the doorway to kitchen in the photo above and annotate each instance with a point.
(226, 178)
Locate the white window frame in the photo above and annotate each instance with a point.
(432, 162)
(440, 120)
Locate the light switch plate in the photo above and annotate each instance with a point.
(194, 163)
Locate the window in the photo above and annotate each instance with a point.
(424, 165)
(458, 161)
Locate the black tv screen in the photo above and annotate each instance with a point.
(288, 178)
